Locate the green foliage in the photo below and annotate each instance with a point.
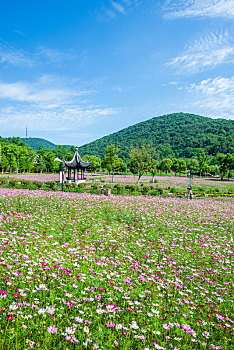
(166, 165)
(111, 161)
(156, 192)
(140, 160)
(226, 164)
(36, 143)
(207, 142)
(96, 162)
(192, 164)
(172, 136)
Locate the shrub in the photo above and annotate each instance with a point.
(144, 189)
(31, 186)
(119, 189)
(173, 190)
(156, 192)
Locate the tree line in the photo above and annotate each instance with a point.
(143, 160)
(16, 156)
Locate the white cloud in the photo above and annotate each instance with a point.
(40, 92)
(65, 118)
(52, 55)
(48, 104)
(206, 52)
(215, 96)
(118, 7)
(199, 8)
(40, 55)
(9, 55)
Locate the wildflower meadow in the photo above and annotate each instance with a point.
(83, 271)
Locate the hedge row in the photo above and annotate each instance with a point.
(117, 189)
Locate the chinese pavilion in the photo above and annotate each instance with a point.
(78, 166)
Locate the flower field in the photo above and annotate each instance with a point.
(81, 271)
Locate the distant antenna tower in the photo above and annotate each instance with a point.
(26, 132)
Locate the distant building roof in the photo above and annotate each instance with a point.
(76, 162)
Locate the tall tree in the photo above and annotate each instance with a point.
(181, 165)
(111, 159)
(153, 167)
(192, 164)
(140, 160)
(175, 165)
(202, 164)
(166, 165)
(96, 162)
(226, 162)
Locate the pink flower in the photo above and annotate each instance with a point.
(116, 342)
(52, 329)
(165, 326)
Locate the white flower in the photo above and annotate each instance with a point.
(119, 326)
(134, 325)
(157, 332)
(41, 311)
(70, 330)
(68, 295)
(155, 311)
(86, 329)
(42, 287)
(13, 307)
(99, 311)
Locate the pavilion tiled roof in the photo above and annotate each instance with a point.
(76, 162)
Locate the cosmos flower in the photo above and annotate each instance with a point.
(52, 329)
(119, 326)
(70, 330)
(86, 329)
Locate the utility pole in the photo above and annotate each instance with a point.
(26, 132)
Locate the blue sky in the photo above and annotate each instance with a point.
(76, 70)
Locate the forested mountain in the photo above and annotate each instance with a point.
(35, 143)
(173, 135)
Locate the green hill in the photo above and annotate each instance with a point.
(35, 143)
(178, 134)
